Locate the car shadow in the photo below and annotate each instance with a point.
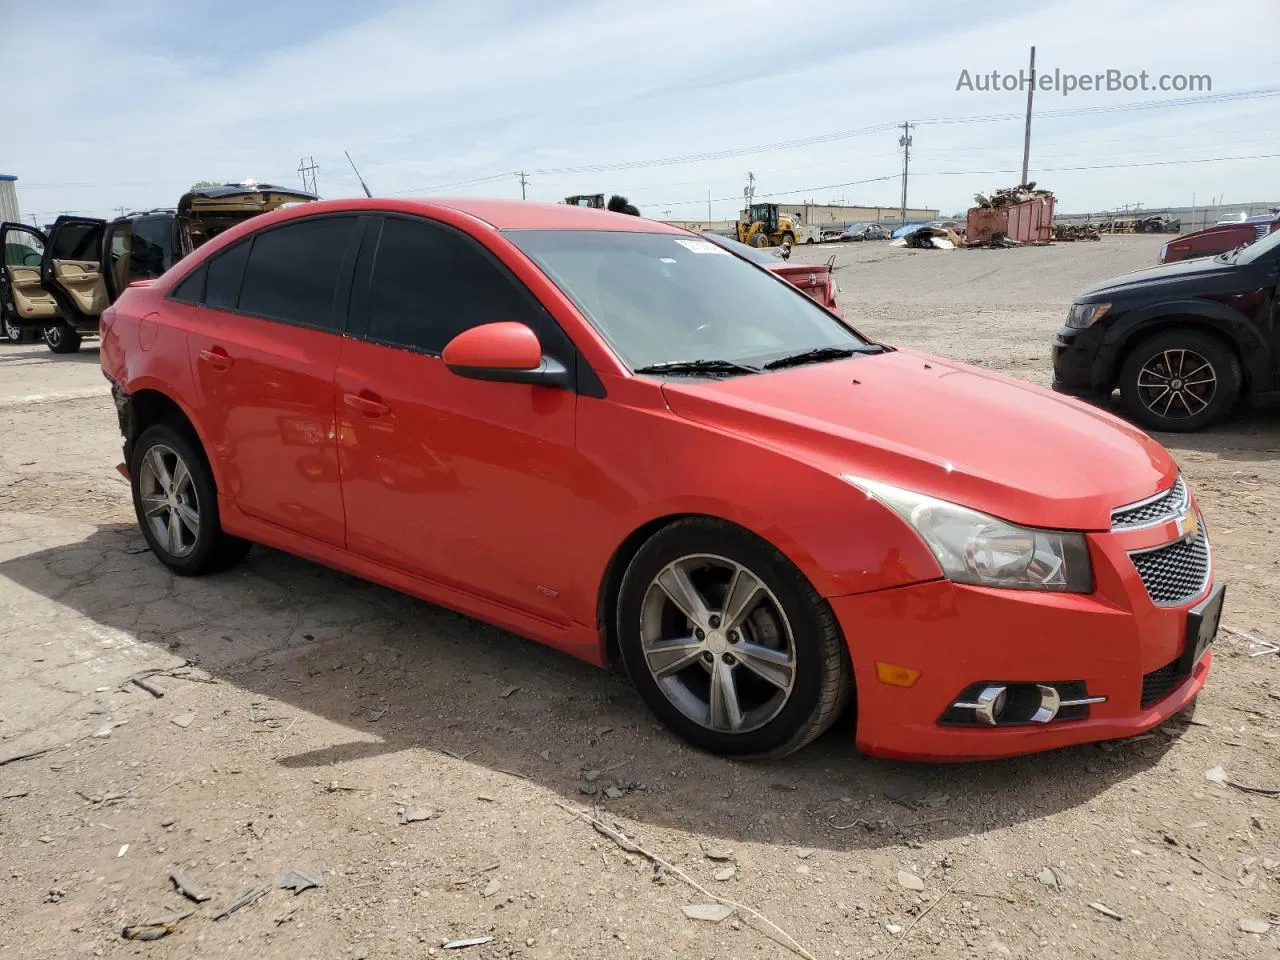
(1245, 434)
(400, 674)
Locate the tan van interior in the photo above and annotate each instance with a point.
(76, 267)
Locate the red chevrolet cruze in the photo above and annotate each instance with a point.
(621, 439)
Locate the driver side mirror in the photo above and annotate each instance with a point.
(505, 352)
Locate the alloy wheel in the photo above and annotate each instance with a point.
(12, 331)
(717, 643)
(169, 501)
(1177, 384)
(53, 335)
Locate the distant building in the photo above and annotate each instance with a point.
(9, 198)
(831, 214)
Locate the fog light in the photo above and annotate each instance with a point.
(896, 676)
(989, 705)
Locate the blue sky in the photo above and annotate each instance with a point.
(139, 99)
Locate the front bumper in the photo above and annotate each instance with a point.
(956, 636)
(1082, 362)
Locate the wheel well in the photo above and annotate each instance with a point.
(611, 582)
(1192, 324)
(149, 407)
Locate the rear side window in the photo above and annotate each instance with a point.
(293, 270)
(152, 243)
(222, 288)
(430, 283)
(77, 241)
(191, 288)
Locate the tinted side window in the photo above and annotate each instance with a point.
(191, 288)
(152, 241)
(293, 271)
(22, 249)
(222, 288)
(430, 283)
(77, 241)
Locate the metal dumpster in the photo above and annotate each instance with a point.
(1030, 221)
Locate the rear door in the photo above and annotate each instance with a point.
(72, 268)
(22, 299)
(264, 332)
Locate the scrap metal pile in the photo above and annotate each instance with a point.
(928, 237)
(1007, 196)
(1075, 231)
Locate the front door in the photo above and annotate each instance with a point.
(23, 301)
(264, 331)
(72, 269)
(465, 482)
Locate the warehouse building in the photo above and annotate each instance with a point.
(9, 211)
(831, 214)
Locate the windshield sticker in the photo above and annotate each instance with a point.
(700, 246)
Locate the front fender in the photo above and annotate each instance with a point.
(1217, 317)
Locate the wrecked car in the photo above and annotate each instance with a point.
(86, 263)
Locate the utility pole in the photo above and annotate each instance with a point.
(904, 142)
(749, 191)
(307, 170)
(708, 206)
(524, 180)
(121, 209)
(1026, 136)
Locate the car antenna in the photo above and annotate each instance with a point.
(358, 177)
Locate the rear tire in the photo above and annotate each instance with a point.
(1180, 381)
(176, 502)
(782, 653)
(62, 338)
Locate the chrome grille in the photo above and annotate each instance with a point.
(1177, 572)
(1158, 509)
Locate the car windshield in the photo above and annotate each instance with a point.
(1258, 249)
(753, 254)
(665, 298)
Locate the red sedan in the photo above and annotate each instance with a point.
(617, 438)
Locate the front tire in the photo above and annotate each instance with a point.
(789, 237)
(728, 643)
(1180, 381)
(176, 503)
(14, 333)
(62, 338)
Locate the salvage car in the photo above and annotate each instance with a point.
(1183, 342)
(87, 263)
(1219, 238)
(817, 280)
(864, 231)
(613, 436)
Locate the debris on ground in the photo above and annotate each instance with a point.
(1070, 232)
(711, 912)
(909, 881)
(1106, 911)
(509, 691)
(804, 853)
(726, 873)
(183, 720)
(490, 888)
(1008, 196)
(417, 814)
(154, 929)
(298, 880)
(242, 902)
(467, 942)
(929, 238)
(719, 854)
(1219, 776)
(1254, 925)
(187, 887)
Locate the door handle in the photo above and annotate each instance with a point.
(369, 405)
(216, 358)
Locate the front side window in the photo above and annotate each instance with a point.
(22, 248)
(429, 283)
(292, 271)
(664, 298)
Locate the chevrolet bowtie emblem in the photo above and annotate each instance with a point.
(1188, 525)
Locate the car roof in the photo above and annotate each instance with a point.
(532, 215)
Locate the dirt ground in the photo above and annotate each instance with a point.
(304, 712)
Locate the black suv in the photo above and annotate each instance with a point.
(59, 284)
(1183, 341)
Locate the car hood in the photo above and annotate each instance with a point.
(956, 432)
(1167, 278)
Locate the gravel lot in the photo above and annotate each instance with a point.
(303, 711)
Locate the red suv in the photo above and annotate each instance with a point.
(621, 439)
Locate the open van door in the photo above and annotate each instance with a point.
(25, 306)
(72, 270)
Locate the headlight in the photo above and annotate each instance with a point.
(1085, 314)
(974, 548)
